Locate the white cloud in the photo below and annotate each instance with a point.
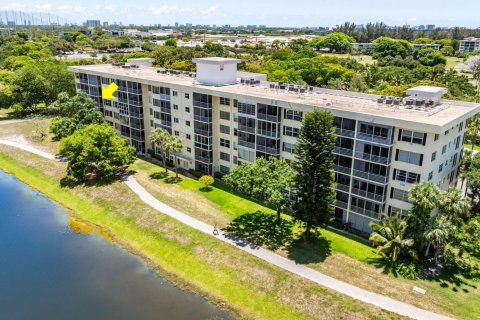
(213, 11)
(71, 9)
(43, 8)
(15, 6)
(169, 9)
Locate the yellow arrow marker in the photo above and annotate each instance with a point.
(107, 92)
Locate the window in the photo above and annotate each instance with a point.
(187, 109)
(187, 123)
(434, 156)
(189, 150)
(394, 210)
(175, 107)
(187, 96)
(430, 176)
(151, 123)
(405, 176)
(399, 194)
(177, 133)
(151, 111)
(224, 101)
(440, 168)
(224, 170)
(235, 159)
(224, 156)
(224, 129)
(409, 157)
(188, 136)
(436, 137)
(246, 108)
(293, 115)
(175, 93)
(291, 132)
(288, 147)
(224, 115)
(235, 132)
(225, 143)
(412, 137)
(175, 120)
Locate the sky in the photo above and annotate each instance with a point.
(279, 13)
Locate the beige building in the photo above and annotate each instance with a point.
(224, 117)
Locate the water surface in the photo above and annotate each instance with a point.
(49, 271)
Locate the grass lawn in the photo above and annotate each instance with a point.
(452, 62)
(360, 265)
(361, 58)
(332, 252)
(250, 287)
(6, 113)
(469, 146)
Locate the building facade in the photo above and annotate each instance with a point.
(469, 45)
(384, 144)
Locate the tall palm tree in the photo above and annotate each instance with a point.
(159, 137)
(453, 205)
(389, 237)
(175, 145)
(438, 235)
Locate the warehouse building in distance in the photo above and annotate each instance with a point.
(225, 117)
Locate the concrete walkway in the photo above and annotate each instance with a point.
(378, 300)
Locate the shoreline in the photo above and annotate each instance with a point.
(175, 280)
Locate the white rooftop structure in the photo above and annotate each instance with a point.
(216, 71)
(427, 93)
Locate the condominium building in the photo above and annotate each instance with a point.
(469, 44)
(224, 117)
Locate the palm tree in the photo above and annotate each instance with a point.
(159, 137)
(438, 235)
(175, 145)
(389, 237)
(453, 205)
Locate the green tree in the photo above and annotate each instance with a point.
(389, 236)
(453, 205)
(95, 151)
(390, 47)
(268, 180)
(424, 198)
(429, 57)
(336, 41)
(28, 89)
(438, 235)
(175, 144)
(159, 138)
(171, 42)
(206, 181)
(314, 166)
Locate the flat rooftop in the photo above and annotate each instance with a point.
(443, 114)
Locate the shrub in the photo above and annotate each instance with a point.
(206, 181)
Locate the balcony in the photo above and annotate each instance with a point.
(268, 117)
(344, 132)
(166, 110)
(202, 132)
(204, 159)
(247, 144)
(268, 150)
(246, 128)
(374, 138)
(370, 176)
(136, 115)
(372, 158)
(342, 187)
(138, 126)
(343, 151)
(202, 119)
(342, 169)
(267, 133)
(166, 123)
(341, 204)
(138, 138)
(365, 212)
(135, 91)
(368, 195)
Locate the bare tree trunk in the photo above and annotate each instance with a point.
(428, 250)
(176, 168)
(165, 162)
(308, 227)
(278, 215)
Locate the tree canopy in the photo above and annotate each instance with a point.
(95, 152)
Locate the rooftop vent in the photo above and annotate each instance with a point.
(216, 71)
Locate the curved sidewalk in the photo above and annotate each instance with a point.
(357, 293)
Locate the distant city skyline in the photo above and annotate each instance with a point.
(299, 13)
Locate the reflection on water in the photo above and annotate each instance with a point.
(55, 267)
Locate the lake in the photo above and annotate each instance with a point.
(54, 267)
